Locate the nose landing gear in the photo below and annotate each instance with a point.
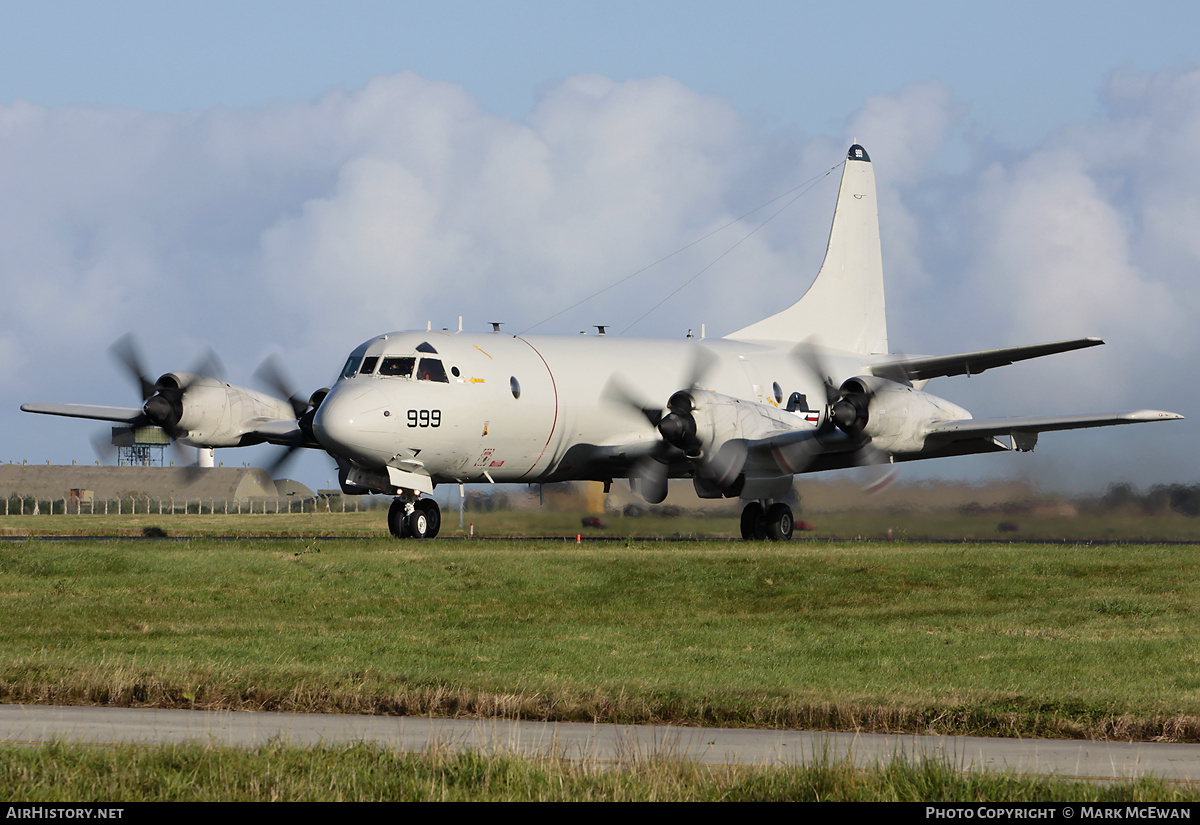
(414, 519)
(775, 522)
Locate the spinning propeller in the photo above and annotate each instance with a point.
(848, 410)
(680, 432)
(273, 376)
(162, 399)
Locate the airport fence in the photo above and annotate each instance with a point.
(150, 505)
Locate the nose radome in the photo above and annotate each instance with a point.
(345, 423)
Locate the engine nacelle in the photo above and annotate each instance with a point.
(205, 412)
(720, 419)
(894, 416)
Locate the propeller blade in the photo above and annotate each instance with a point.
(187, 460)
(703, 360)
(128, 356)
(207, 365)
(797, 455)
(102, 446)
(876, 469)
(281, 460)
(650, 476)
(809, 356)
(616, 392)
(273, 376)
(893, 372)
(726, 464)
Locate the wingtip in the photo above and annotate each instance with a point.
(1155, 415)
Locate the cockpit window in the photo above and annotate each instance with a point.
(368, 366)
(351, 367)
(398, 366)
(425, 346)
(431, 369)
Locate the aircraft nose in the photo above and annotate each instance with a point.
(351, 422)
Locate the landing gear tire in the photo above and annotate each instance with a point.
(418, 524)
(397, 521)
(780, 522)
(754, 521)
(433, 518)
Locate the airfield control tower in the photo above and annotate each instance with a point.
(139, 446)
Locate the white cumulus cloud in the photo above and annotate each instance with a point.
(310, 226)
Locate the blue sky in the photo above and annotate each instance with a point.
(174, 168)
(1021, 70)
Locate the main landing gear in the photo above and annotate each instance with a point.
(775, 522)
(414, 519)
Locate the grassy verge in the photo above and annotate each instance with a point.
(872, 524)
(1029, 640)
(62, 773)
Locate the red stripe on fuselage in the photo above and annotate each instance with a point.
(553, 426)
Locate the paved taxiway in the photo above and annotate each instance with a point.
(602, 744)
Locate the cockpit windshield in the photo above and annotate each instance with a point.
(396, 366)
(431, 369)
(351, 367)
(402, 367)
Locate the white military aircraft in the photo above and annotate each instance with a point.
(810, 388)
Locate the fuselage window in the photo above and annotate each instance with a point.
(515, 386)
(402, 367)
(431, 369)
(368, 366)
(351, 367)
(778, 392)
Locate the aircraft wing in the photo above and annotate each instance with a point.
(123, 415)
(284, 432)
(809, 450)
(1024, 429)
(973, 363)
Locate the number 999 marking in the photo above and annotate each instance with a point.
(424, 418)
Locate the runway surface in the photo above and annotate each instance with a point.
(600, 744)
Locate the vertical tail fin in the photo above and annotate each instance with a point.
(844, 307)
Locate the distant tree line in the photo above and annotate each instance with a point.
(1161, 498)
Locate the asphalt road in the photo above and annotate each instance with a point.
(602, 744)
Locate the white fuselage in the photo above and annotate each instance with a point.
(512, 409)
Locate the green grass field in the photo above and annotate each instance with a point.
(993, 639)
(70, 774)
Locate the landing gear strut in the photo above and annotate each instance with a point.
(775, 522)
(420, 519)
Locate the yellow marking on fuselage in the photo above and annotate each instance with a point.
(477, 381)
(481, 350)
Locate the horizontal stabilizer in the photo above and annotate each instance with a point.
(973, 363)
(124, 415)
